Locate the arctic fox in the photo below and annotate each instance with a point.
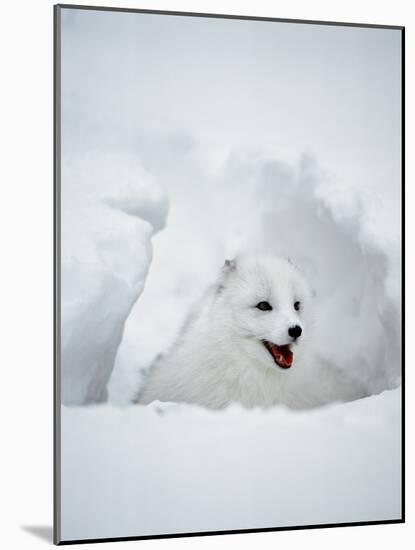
(249, 341)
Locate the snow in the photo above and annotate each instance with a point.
(291, 162)
(170, 468)
(110, 209)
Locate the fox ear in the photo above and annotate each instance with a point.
(229, 265)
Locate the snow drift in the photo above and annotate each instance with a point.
(110, 209)
(179, 468)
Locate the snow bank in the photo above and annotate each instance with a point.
(170, 468)
(110, 209)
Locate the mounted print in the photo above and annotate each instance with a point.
(228, 313)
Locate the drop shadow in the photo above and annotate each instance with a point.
(44, 532)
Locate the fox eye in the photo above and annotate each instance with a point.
(264, 306)
(297, 306)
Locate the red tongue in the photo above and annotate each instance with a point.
(282, 355)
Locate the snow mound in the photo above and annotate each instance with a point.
(110, 209)
(170, 468)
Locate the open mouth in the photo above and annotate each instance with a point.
(282, 355)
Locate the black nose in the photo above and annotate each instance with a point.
(295, 332)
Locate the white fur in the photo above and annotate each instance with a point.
(220, 358)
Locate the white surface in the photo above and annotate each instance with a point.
(178, 468)
(26, 474)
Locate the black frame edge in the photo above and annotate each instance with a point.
(227, 16)
(56, 273)
(233, 532)
(403, 158)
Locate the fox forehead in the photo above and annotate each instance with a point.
(269, 278)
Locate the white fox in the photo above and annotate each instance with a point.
(249, 342)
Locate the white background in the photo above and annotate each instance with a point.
(26, 246)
